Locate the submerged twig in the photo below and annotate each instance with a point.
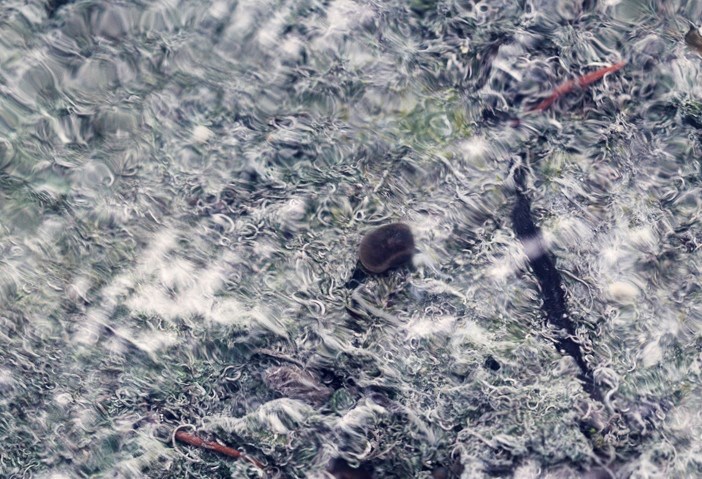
(194, 440)
(570, 85)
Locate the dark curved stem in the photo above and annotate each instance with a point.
(543, 265)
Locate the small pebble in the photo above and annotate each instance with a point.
(622, 292)
(386, 247)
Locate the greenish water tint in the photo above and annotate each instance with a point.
(184, 186)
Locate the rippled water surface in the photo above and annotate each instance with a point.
(184, 186)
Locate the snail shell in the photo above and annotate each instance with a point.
(386, 247)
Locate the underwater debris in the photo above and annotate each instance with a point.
(341, 469)
(581, 82)
(386, 247)
(295, 383)
(693, 39)
(277, 355)
(194, 440)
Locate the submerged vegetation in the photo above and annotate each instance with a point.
(187, 188)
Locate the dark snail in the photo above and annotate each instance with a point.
(386, 247)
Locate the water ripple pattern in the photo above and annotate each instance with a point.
(184, 186)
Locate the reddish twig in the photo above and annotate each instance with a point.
(193, 440)
(569, 86)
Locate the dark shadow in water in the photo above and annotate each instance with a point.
(341, 469)
(52, 6)
(357, 278)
